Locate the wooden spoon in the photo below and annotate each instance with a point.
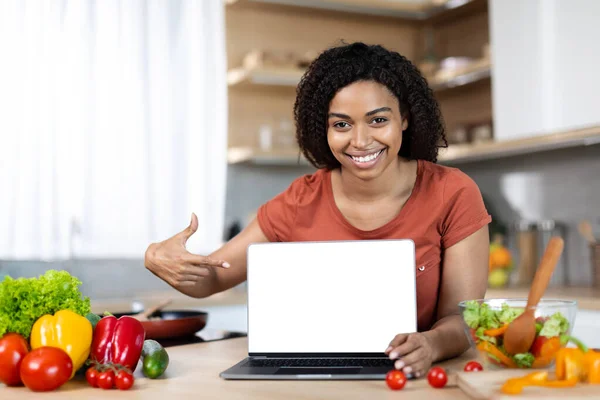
(585, 230)
(520, 334)
(143, 316)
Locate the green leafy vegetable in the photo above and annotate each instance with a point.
(507, 314)
(471, 314)
(556, 325)
(24, 300)
(481, 315)
(538, 328)
(488, 318)
(524, 360)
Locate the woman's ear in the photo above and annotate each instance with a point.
(404, 123)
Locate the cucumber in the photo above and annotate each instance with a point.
(94, 319)
(155, 359)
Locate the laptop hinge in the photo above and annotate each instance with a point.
(259, 357)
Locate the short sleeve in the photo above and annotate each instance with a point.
(277, 216)
(464, 209)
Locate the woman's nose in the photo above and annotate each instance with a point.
(360, 137)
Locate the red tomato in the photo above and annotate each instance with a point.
(536, 347)
(46, 368)
(473, 366)
(437, 377)
(91, 375)
(123, 380)
(473, 335)
(13, 348)
(106, 379)
(395, 379)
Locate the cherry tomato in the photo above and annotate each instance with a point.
(91, 375)
(473, 335)
(123, 380)
(395, 379)
(13, 348)
(437, 377)
(46, 368)
(106, 379)
(473, 366)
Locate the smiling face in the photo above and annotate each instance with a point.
(364, 129)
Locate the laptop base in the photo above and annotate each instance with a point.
(241, 372)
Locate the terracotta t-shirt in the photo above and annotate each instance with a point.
(444, 207)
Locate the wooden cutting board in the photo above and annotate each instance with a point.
(486, 385)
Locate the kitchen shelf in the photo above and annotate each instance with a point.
(414, 10)
(462, 79)
(457, 154)
(453, 155)
(264, 76)
(291, 77)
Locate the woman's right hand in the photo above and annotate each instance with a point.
(171, 262)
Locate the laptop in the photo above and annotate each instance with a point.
(326, 310)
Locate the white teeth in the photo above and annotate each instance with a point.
(368, 158)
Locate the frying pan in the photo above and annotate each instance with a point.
(172, 323)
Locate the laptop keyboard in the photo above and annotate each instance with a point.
(320, 362)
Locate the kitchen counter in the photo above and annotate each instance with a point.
(194, 373)
(588, 298)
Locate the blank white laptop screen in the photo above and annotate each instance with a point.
(330, 297)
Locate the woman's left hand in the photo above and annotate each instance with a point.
(414, 353)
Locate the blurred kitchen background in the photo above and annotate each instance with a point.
(120, 118)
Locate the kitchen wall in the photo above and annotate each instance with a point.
(563, 185)
(101, 279)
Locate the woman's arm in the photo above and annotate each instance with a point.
(464, 277)
(201, 276)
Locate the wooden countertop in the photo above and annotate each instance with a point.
(588, 298)
(194, 369)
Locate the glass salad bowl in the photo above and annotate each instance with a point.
(485, 322)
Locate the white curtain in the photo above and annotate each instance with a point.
(113, 126)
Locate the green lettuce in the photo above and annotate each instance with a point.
(524, 360)
(556, 325)
(476, 315)
(24, 300)
(471, 314)
(508, 314)
(488, 318)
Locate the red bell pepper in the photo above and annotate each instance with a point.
(118, 342)
(543, 346)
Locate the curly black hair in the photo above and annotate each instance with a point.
(338, 67)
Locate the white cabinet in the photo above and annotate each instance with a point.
(545, 57)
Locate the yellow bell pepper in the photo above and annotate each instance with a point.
(65, 330)
(592, 365)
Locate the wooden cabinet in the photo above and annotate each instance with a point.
(261, 98)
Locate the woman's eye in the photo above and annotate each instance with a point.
(341, 125)
(379, 120)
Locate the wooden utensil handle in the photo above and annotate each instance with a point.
(545, 270)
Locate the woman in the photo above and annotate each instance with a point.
(368, 121)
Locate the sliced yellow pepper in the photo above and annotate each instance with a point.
(65, 330)
(592, 366)
(570, 364)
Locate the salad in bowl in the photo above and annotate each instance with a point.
(486, 321)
